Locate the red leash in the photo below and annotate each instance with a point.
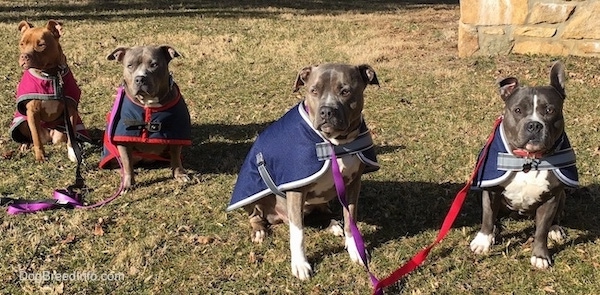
(446, 225)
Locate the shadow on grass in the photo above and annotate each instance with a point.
(407, 208)
(119, 9)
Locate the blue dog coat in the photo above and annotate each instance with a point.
(500, 162)
(130, 122)
(294, 154)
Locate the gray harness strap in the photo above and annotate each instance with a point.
(362, 143)
(560, 159)
(324, 152)
(266, 177)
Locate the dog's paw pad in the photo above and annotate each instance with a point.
(258, 236)
(353, 251)
(540, 262)
(482, 243)
(301, 269)
(335, 228)
(557, 234)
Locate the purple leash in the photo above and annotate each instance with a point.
(67, 198)
(340, 187)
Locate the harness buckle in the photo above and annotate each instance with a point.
(154, 126)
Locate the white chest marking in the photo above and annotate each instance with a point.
(348, 166)
(526, 189)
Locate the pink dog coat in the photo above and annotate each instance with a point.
(35, 86)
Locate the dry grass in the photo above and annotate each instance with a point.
(430, 117)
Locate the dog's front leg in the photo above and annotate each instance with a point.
(353, 190)
(34, 122)
(176, 166)
(544, 216)
(125, 153)
(73, 118)
(485, 237)
(295, 209)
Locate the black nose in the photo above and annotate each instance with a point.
(140, 80)
(534, 127)
(326, 112)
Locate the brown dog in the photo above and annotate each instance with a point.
(289, 171)
(45, 86)
(150, 120)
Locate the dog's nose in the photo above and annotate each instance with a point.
(326, 112)
(534, 127)
(140, 80)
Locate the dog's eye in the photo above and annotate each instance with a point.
(345, 92)
(154, 65)
(314, 91)
(517, 110)
(130, 66)
(549, 110)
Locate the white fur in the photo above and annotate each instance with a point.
(353, 251)
(336, 229)
(535, 116)
(300, 266)
(525, 189)
(540, 263)
(557, 234)
(71, 154)
(482, 243)
(259, 236)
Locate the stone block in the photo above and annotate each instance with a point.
(535, 31)
(540, 47)
(493, 12)
(584, 24)
(550, 13)
(468, 40)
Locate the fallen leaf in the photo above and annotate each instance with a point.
(98, 230)
(203, 240)
(69, 239)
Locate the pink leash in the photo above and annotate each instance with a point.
(415, 261)
(68, 198)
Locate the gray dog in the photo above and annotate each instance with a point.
(288, 171)
(150, 120)
(529, 164)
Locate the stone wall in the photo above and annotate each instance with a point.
(553, 27)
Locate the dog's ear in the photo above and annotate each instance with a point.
(557, 77)
(302, 78)
(24, 26)
(55, 28)
(507, 87)
(117, 54)
(368, 74)
(170, 52)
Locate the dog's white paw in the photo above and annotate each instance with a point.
(557, 234)
(482, 243)
(335, 228)
(301, 269)
(353, 251)
(71, 154)
(539, 262)
(258, 236)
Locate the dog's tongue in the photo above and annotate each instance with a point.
(523, 153)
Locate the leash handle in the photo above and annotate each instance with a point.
(416, 260)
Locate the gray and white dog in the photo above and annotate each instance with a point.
(529, 164)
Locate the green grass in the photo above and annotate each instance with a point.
(429, 118)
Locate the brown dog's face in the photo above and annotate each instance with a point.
(145, 70)
(335, 96)
(39, 47)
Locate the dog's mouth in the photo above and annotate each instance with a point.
(532, 149)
